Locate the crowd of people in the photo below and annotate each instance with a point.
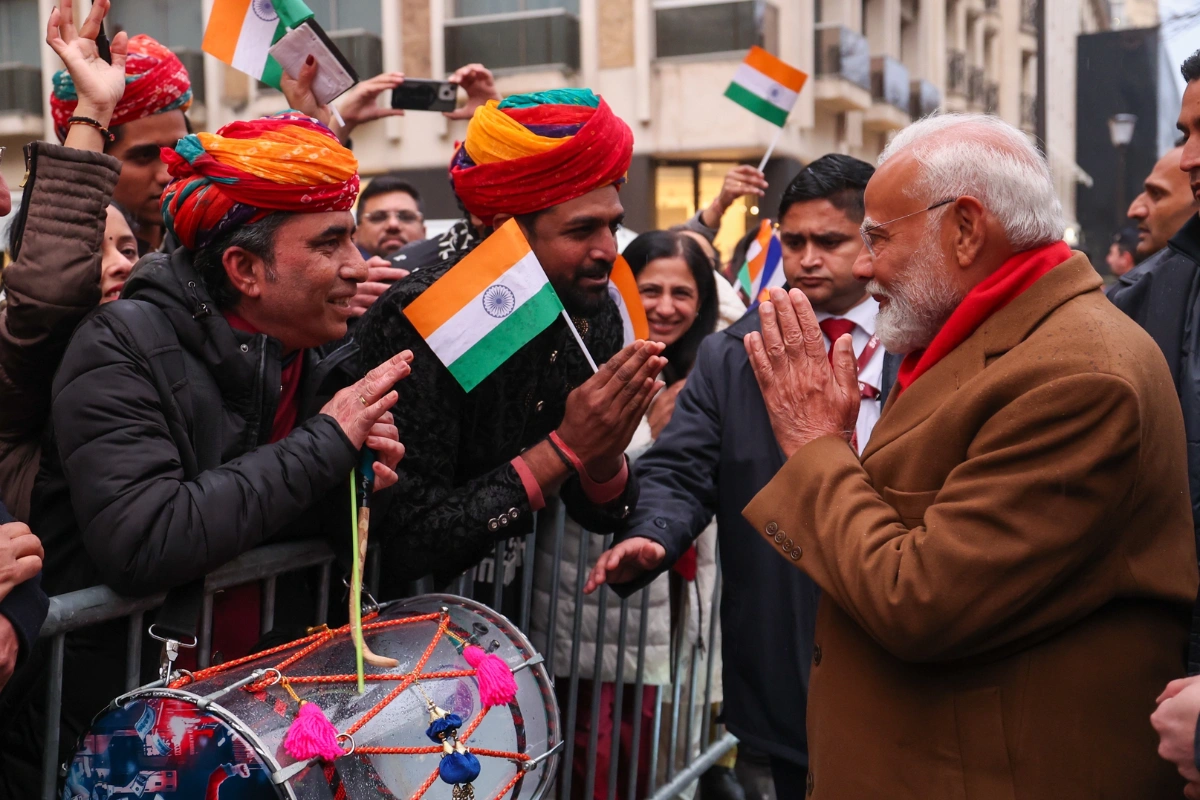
(955, 488)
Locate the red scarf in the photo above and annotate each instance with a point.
(989, 296)
(289, 384)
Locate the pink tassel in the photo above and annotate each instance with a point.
(312, 734)
(495, 679)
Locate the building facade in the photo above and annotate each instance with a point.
(662, 65)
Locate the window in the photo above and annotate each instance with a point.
(175, 23)
(691, 28)
(346, 15)
(513, 34)
(20, 58)
(18, 23)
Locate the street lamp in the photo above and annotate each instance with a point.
(1120, 131)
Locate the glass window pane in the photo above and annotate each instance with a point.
(175, 23)
(475, 8)
(18, 21)
(717, 28)
(531, 41)
(674, 195)
(364, 14)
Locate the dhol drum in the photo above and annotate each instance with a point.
(219, 734)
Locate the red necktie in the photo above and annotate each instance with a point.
(835, 328)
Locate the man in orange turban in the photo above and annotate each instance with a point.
(198, 417)
(149, 116)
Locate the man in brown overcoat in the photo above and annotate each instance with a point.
(1008, 571)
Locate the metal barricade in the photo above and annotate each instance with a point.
(683, 745)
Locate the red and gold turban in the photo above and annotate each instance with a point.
(247, 170)
(155, 81)
(530, 152)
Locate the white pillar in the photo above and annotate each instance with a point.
(393, 56)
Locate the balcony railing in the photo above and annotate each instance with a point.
(991, 98)
(843, 53)
(20, 89)
(976, 85)
(889, 82)
(924, 99)
(688, 30)
(521, 39)
(956, 73)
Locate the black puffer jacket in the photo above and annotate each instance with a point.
(134, 493)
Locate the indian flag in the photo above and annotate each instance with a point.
(240, 32)
(766, 86)
(763, 269)
(486, 307)
(623, 289)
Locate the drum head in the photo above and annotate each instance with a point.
(160, 747)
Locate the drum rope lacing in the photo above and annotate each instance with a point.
(310, 644)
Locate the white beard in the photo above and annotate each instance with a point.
(918, 304)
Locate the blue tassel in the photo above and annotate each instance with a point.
(442, 727)
(459, 768)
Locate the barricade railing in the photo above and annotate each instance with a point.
(685, 740)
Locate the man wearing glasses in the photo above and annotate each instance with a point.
(389, 216)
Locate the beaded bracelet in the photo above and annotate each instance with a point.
(91, 123)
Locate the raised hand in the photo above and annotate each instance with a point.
(358, 105)
(628, 560)
(100, 85)
(805, 398)
(740, 181)
(381, 273)
(479, 84)
(602, 414)
(358, 407)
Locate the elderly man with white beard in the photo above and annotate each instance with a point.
(1007, 571)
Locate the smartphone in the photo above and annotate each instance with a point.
(418, 94)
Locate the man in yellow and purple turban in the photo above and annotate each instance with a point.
(479, 463)
(149, 116)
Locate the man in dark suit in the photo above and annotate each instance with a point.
(718, 451)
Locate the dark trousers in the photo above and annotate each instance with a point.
(790, 779)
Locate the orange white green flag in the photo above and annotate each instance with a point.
(622, 288)
(486, 307)
(763, 269)
(766, 86)
(240, 33)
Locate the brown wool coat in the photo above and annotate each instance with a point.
(1007, 575)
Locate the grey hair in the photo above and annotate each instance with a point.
(984, 157)
(257, 237)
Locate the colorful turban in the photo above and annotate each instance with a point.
(533, 151)
(247, 170)
(155, 81)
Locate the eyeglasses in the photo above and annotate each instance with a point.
(865, 233)
(403, 217)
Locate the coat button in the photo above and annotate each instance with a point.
(786, 547)
(493, 524)
(503, 519)
(659, 522)
(513, 513)
(772, 528)
(625, 512)
(779, 537)
(553, 356)
(816, 655)
(797, 551)
(808, 784)
(539, 406)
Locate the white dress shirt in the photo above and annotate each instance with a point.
(863, 317)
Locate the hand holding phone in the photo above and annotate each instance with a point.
(420, 94)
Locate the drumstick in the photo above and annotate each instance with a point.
(363, 524)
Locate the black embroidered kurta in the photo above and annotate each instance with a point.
(458, 494)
